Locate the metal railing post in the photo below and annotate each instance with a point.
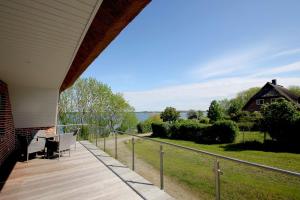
(132, 141)
(217, 179)
(96, 139)
(104, 143)
(161, 167)
(116, 145)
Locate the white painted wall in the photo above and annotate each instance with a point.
(33, 107)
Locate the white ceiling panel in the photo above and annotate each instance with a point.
(39, 39)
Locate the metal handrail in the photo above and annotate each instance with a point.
(216, 168)
(297, 174)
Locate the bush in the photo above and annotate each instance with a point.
(192, 114)
(183, 130)
(160, 129)
(187, 130)
(219, 132)
(215, 111)
(280, 120)
(144, 127)
(246, 126)
(223, 131)
(170, 114)
(204, 120)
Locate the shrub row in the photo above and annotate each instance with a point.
(219, 132)
(144, 127)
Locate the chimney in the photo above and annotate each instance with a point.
(274, 82)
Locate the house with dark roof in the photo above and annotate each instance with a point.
(268, 93)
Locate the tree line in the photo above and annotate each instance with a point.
(89, 101)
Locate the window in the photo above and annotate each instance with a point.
(260, 101)
(273, 100)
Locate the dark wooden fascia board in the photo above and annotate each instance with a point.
(111, 18)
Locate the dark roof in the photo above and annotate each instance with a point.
(281, 90)
(286, 93)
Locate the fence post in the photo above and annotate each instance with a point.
(132, 141)
(96, 139)
(116, 145)
(104, 143)
(161, 167)
(217, 179)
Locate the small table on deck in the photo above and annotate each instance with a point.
(48, 137)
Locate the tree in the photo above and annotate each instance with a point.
(234, 108)
(169, 114)
(200, 114)
(129, 122)
(295, 90)
(192, 114)
(243, 97)
(279, 119)
(89, 101)
(215, 111)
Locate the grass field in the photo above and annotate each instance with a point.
(238, 181)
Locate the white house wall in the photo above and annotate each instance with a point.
(33, 107)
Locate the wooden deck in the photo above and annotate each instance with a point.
(88, 174)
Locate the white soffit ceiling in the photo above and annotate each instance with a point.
(39, 39)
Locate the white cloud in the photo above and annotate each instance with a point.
(228, 63)
(198, 95)
(286, 53)
(293, 67)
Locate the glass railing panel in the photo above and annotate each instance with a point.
(240, 181)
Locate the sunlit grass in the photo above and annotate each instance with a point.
(238, 181)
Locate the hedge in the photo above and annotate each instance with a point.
(223, 131)
(160, 129)
(219, 132)
(187, 130)
(144, 127)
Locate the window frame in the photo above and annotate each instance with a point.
(260, 101)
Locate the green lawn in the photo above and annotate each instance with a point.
(238, 181)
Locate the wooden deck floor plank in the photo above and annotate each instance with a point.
(81, 176)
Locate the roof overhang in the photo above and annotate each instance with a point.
(48, 44)
(111, 18)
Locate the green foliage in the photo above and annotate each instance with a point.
(129, 122)
(215, 112)
(160, 129)
(192, 114)
(145, 126)
(295, 90)
(280, 120)
(233, 106)
(223, 131)
(243, 97)
(246, 126)
(170, 114)
(219, 132)
(200, 114)
(187, 130)
(89, 101)
(204, 120)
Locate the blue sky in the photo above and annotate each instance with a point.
(186, 53)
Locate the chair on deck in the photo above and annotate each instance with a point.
(36, 144)
(75, 134)
(65, 142)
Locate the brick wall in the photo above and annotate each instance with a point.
(30, 132)
(7, 131)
